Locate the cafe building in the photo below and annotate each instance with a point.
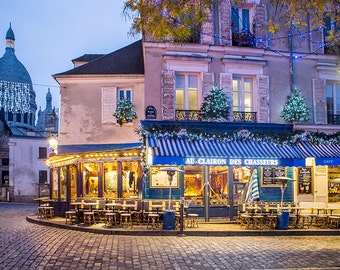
(215, 173)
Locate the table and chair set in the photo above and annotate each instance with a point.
(120, 212)
(44, 208)
(302, 215)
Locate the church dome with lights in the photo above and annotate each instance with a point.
(17, 97)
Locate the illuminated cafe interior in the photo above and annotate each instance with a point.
(104, 174)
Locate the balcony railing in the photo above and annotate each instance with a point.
(243, 39)
(244, 116)
(186, 115)
(334, 119)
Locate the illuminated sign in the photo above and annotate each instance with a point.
(231, 161)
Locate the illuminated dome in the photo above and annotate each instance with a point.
(15, 77)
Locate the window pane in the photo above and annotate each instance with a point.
(180, 100)
(329, 97)
(245, 20)
(193, 81)
(180, 81)
(337, 96)
(110, 180)
(193, 99)
(121, 94)
(128, 95)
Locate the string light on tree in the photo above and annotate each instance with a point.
(295, 109)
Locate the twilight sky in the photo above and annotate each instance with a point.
(50, 33)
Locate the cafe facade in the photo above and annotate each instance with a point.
(214, 174)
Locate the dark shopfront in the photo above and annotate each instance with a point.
(215, 174)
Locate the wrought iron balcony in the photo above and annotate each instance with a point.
(334, 119)
(192, 115)
(244, 116)
(243, 39)
(186, 115)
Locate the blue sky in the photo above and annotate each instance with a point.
(50, 33)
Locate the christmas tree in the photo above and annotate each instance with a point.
(216, 106)
(295, 109)
(125, 111)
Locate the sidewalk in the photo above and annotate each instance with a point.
(212, 228)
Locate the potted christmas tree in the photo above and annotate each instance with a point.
(295, 110)
(125, 111)
(216, 106)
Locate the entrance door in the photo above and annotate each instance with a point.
(320, 184)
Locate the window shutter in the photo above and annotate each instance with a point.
(263, 99)
(320, 103)
(109, 103)
(168, 93)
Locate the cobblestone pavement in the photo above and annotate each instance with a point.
(25, 245)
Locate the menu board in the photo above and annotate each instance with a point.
(305, 180)
(269, 172)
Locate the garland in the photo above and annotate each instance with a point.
(241, 135)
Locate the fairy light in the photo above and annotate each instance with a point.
(14, 96)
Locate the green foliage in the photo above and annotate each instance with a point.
(216, 106)
(295, 109)
(179, 19)
(125, 111)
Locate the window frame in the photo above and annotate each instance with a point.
(242, 107)
(186, 91)
(336, 109)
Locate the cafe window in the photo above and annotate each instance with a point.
(243, 94)
(73, 181)
(186, 92)
(90, 179)
(218, 185)
(131, 186)
(194, 184)
(333, 184)
(110, 180)
(63, 183)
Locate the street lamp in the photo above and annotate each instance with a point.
(53, 142)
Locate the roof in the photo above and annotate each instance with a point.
(87, 57)
(128, 60)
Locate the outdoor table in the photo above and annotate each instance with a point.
(129, 207)
(157, 207)
(113, 205)
(91, 204)
(41, 199)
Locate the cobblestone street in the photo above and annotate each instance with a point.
(24, 245)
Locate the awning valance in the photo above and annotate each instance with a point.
(247, 152)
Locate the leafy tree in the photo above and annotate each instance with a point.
(295, 109)
(316, 13)
(177, 19)
(216, 106)
(181, 19)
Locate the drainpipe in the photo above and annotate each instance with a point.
(231, 192)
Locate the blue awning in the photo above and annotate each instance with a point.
(176, 150)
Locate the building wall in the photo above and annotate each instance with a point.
(81, 113)
(24, 167)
